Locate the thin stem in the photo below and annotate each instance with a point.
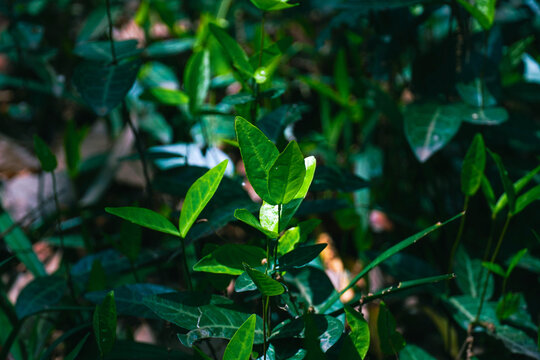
(186, 267)
(493, 257)
(109, 18)
(61, 236)
(223, 9)
(265, 321)
(140, 148)
(459, 235)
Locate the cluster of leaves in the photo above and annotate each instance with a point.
(250, 271)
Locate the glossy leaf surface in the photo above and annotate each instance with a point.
(286, 175)
(234, 52)
(473, 166)
(247, 217)
(266, 285)
(197, 79)
(272, 5)
(241, 344)
(359, 330)
(146, 218)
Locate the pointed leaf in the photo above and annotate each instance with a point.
(165, 96)
(518, 186)
(474, 163)
(470, 275)
(494, 268)
(515, 260)
(198, 195)
(247, 217)
(286, 175)
(241, 344)
(527, 198)
(101, 50)
(40, 294)
(234, 52)
(429, 127)
(359, 330)
(391, 341)
(104, 323)
(258, 154)
(266, 285)
(145, 217)
(482, 10)
(508, 305)
(229, 259)
(197, 79)
(299, 257)
(296, 235)
(103, 87)
(476, 94)
(507, 184)
(272, 5)
(46, 158)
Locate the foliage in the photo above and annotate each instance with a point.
(286, 158)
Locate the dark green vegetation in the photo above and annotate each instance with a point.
(392, 146)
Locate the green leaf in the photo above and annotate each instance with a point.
(46, 157)
(385, 255)
(130, 241)
(488, 193)
(197, 79)
(234, 52)
(165, 96)
(299, 257)
(72, 147)
(241, 344)
(296, 235)
(272, 5)
(104, 323)
(98, 278)
(286, 175)
(20, 245)
(75, 352)
(476, 94)
(514, 260)
(359, 330)
(527, 198)
(198, 195)
(169, 47)
(311, 285)
(473, 167)
(311, 339)
(146, 218)
(470, 275)
(466, 308)
(247, 217)
(258, 154)
(391, 341)
(494, 268)
(429, 127)
(518, 186)
(101, 50)
(40, 294)
(516, 341)
(508, 305)
(229, 259)
(482, 116)
(507, 184)
(413, 352)
(482, 10)
(266, 285)
(103, 87)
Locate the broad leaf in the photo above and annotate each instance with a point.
(247, 217)
(507, 184)
(104, 323)
(40, 294)
(228, 259)
(103, 87)
(46, 157)
(266, 285)
(258, 154)
(197, 79)
(296, 235)
(272, 5)
(101, 50)
(234, 52)
(429, 127)
(165, 96)
(476, 94)
(311, 286)
(20, 245)
(198, 195)
(299, 257)
(482, 10)
(508, 305)
(286, 175)
(482, 116)
(470, 275)
(145, 217)
(359, 331)
(413, 352)
(391, 341)
(466, 308)
(241, 344)
(473, 166)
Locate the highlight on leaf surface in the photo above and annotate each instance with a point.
(272, 5)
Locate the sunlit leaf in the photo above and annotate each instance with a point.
(296, 235)
(228, 259)
(145, 217)
(359, 330)
(241, 344)
(272, 5)
(198, 195)
(286, 175)
(247, 217)
(481, 10)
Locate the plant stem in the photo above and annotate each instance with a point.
(109, 18)
(186, 267)
(265, 321)
(61, 236)
(459, 235)
(223, 8)
(493, 258)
